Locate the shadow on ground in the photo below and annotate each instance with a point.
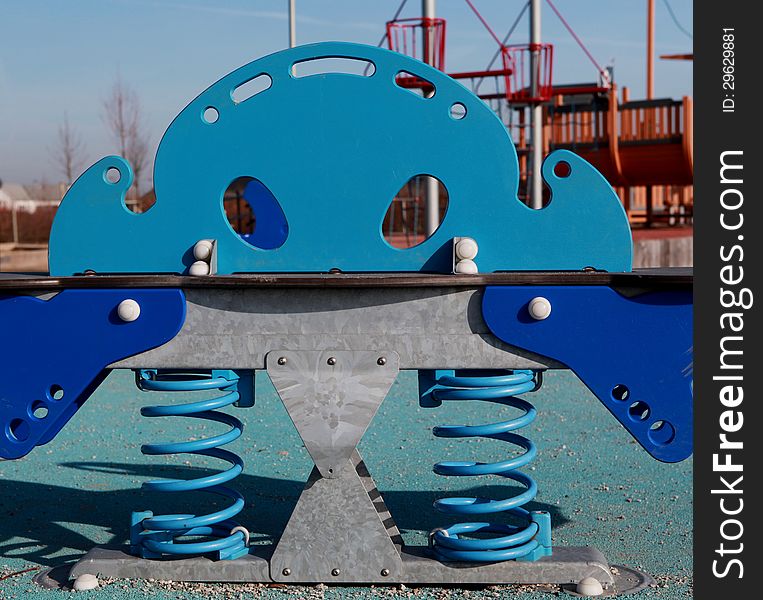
(54, 520)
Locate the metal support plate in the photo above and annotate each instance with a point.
(331, 396)
(336, 532)
(430, 328)
(336, 535)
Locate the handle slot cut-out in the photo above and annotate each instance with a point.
(326, 65)
(252, 87)
(415, 84)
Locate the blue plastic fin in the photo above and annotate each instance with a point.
(56, 351)
(633, 353)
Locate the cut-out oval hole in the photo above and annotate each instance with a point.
(112, 175)
(638, 411)
(661, 433)
(415, 84)
(251, 88)
(562, 169)
(457, 111)
(321, 66)
(19, 430)
(405, 224)
(255, 214)
(210, 115)
(39, 410)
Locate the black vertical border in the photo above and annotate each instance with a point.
(715, 132)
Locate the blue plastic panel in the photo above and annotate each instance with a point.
(635, 354)
(55, 351)
(334, 149)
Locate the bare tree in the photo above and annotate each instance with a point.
(124, 118)
(69, 151)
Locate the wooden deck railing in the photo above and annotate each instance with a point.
(646, 121)
(642, 121)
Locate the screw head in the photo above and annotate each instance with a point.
(286, 572)
(381, 361)
(282, 361)
(335, 572)
(539, 308)
(385, 572)
(331, 360)
(128, 310)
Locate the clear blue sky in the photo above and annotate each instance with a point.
(63, 55)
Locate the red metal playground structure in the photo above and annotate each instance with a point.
(642, 147)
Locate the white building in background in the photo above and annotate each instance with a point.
(30, 197)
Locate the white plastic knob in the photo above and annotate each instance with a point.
(589, 586)
(466, 248)
(85, 582)
(199, 268)
(128, 310)
(466, 266)
(202, 250)
(539, 308)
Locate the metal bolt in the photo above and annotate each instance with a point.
(335, 572)
(282, 361)
(539, 308)
(385, 572)
(331, 360)
(128, 310)
(381, 361)
(286, 572)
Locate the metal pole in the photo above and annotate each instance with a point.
(15, 222)
(432, 187)
(649, 90)
(536, 184)
(650, 50)
(292, 24)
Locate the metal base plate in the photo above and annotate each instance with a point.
(119, 563)
(567, 565)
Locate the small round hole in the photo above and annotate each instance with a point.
(457, 111)
(638, 411)
(562, 169)
(39, 410)
(210, 115)
(620, 392)
(19, 430)
(661, 433)
(112, 175)
(56, 392)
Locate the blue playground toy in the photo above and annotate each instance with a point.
(320, 300)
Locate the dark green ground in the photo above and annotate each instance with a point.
(600, 486)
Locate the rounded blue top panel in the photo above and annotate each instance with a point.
(334, 149)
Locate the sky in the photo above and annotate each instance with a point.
(62, 57)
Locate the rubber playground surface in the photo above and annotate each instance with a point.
(601, 488)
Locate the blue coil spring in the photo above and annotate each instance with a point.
(491, 542)
(154, 536)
